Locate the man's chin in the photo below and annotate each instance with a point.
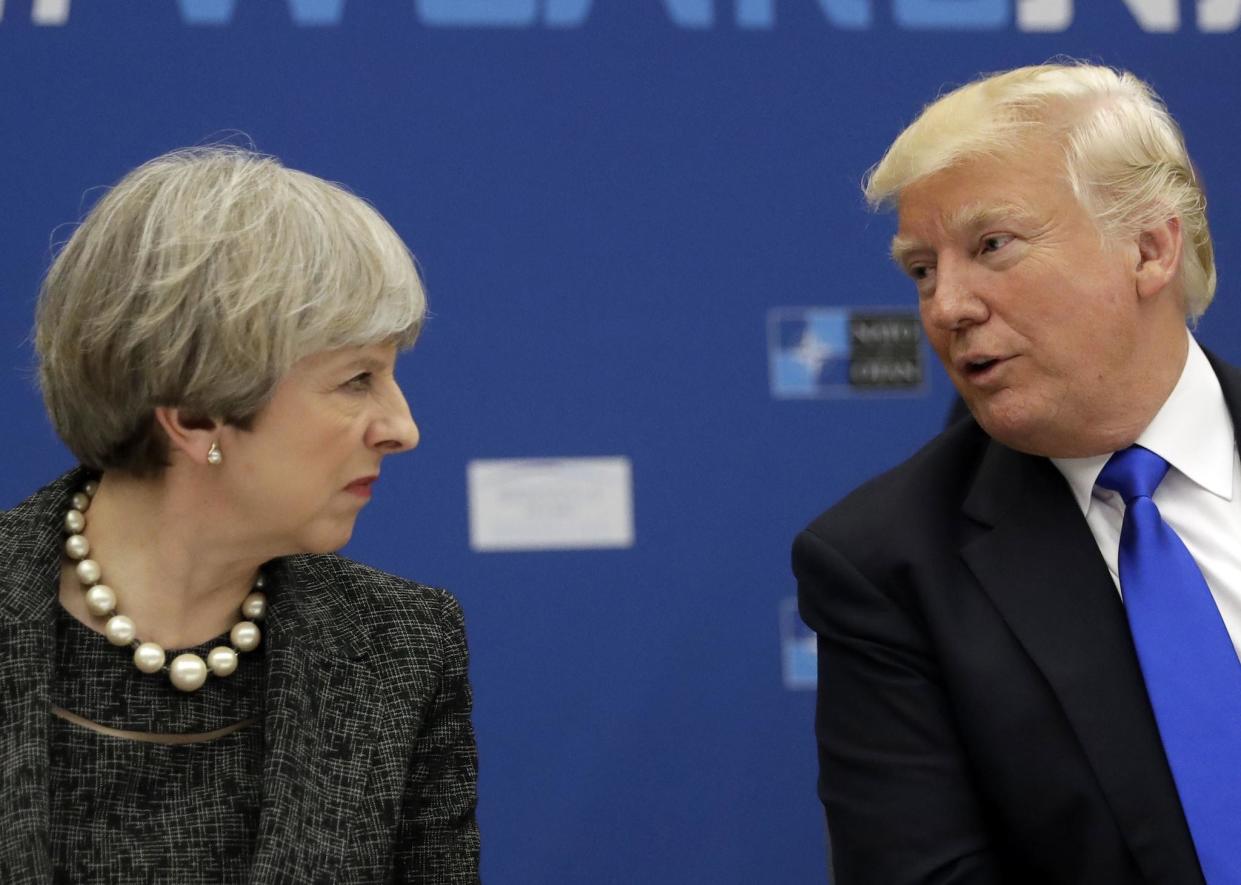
(1035, 433)
(1012, 426)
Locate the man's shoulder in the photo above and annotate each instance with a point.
(927, 489)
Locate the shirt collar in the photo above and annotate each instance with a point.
(1192, 431)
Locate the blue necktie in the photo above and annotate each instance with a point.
(1192, 673)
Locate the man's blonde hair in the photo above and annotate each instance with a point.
(1124, 156)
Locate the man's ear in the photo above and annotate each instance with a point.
(191, 435)
(1159, 257)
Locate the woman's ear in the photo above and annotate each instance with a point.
(191, 435)
(1159, 257)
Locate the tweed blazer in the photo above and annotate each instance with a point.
(369, 763)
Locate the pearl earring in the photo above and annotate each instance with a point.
(214, 455)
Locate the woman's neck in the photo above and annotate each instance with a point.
(175, 571)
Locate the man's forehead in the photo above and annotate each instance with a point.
(954, 216)
(977, 182)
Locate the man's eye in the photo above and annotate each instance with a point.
(360, 381)
(919, 271)
(995, 242)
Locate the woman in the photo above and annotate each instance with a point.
(193, 688)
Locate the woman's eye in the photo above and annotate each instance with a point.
(361, 381)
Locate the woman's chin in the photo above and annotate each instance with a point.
(325, 539)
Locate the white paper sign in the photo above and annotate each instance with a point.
(550, 503)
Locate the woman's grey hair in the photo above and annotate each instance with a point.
(1124, 155)
(197, 282)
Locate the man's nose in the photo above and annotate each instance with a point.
(957, 300)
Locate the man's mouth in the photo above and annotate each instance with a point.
(981, 367)
(977, 367)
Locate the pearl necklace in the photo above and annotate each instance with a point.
(187, 671)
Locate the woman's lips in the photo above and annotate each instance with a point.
(361, 487)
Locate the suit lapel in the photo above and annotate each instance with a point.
(1230, 384)
(319, 723)
(1039, 564)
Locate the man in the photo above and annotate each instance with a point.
(1010, 689)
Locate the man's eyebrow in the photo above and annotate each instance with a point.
(902, 246)
(967, 218)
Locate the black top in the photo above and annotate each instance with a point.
(124, 809)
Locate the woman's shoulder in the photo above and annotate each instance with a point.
(367, 594)
(51, 498)
(31, 534)
(409, 632)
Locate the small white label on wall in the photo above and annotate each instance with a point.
(550, 503)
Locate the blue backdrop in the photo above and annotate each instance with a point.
(608, 198)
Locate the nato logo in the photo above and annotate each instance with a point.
(799, 651)
(841, 351)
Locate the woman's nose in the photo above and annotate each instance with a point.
(394, 431)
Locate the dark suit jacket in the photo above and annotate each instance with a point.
(982, 717)
(369, 768)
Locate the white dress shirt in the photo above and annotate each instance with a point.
(1199, 498)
